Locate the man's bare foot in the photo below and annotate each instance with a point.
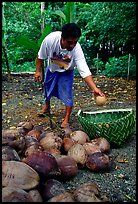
(45, 111)
(43, 114)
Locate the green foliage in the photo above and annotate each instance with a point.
(118, 67)
(25, 67)
(98, 62)
(99, 21)
(29, 44)
(46, 31)
(106, 22)
(110, 21)
(76, 73)
(68, 13)
(61, 15)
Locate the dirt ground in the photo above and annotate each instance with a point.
(22, 98)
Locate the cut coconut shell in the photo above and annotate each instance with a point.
(19, 174)
(14, 194)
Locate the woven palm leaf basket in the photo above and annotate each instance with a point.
(116, 125)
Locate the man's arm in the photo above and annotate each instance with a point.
(39, 69)
(89, 81)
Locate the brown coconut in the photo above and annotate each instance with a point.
(54, 151)
(51, 140)
(68, 166)
(15, 194)
(26, 125)
(102, 143)
(78, 153)
(79, 136)
(51, 188)
(32, 149)
(43, 163)
(35, 133)
(67, 143)
(91, 148)
(8, 153)
(35, 196)
(87, 192)
(63, 197)
(97, 162)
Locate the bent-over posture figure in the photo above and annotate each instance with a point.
(64, 53)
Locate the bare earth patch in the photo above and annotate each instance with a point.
(22, 98)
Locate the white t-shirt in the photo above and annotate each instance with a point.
(61, 59)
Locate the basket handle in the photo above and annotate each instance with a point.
(79, 112)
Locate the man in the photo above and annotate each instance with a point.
(64, 53)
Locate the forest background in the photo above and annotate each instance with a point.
(108, 34)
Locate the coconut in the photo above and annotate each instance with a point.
(100, 100)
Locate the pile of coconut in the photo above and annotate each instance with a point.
(36, 160)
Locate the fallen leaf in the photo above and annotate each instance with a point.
(122, 161)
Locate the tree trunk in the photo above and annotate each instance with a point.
(42, 16)
(42, 28)
(7, 62)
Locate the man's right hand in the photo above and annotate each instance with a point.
(38, 76)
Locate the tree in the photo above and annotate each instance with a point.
(42, 16)
(4, 42)
(30, 44)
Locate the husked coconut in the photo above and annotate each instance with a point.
(102, 143)
(97, 162)
(100, 100)
(87, 192)
(35, 133)
(43, 163)
(51, 188)
(63, 197)
(68, 166)
(8, 153)
(35, 196)
(67, 143)
(51, 140)
(79, 136)
(91, 148)
(78, 153)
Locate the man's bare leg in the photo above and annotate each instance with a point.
(65, 122)
(45, 109)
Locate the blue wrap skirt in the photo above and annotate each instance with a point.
(59, 84)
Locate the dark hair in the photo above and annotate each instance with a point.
(71, 30)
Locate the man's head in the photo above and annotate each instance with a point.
(70, 36)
